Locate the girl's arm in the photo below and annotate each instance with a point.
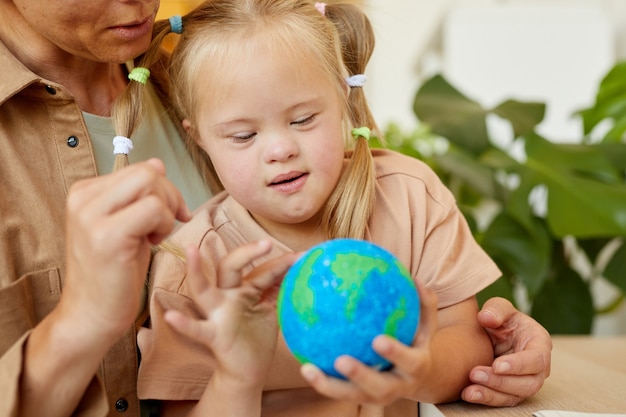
(458, 345)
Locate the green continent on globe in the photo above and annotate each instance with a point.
(302, 296)
(391, 325)
(352, 279)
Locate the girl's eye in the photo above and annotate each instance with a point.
(303, 121)
(243, 137)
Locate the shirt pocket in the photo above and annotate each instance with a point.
(25, 302)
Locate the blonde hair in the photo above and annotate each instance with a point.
(210, 35)
(357, 40)
(128, 108)
(127, 113)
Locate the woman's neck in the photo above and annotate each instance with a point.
(95, 86)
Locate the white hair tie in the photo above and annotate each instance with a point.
(321, 7)
(122, 145)
(357, 80)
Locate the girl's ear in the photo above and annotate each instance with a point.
(187, 126)
(191, 130)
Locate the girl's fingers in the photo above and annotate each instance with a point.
(189, 327)
(231, 267)
(330, 387)
(271, 272)
(197, 279)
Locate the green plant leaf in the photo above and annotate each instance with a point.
(524, 116)
(593, 247)
(615, 153)
(615, 270)
(450, 114)
(610, 99)
(569, 160)
(616, 133)
(526, 254)
(463, 165)
(498, 159)
(586, 194)
(518, 205)
(564, 305)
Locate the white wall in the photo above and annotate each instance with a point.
(408, 46)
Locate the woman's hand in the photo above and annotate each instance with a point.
(112, 221)
(523, 349)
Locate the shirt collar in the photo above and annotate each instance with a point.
(15, 76)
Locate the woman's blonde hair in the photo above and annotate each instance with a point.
(340, 42)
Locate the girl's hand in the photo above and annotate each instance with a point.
(240, 326)
(369, 386)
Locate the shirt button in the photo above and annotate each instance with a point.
(121, 405)
(50, 89)
(72, 141)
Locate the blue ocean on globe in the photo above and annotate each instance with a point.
(339, 296)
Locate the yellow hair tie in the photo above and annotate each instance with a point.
(139, 74)
(361, 131)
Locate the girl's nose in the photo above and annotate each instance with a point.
(281, 148)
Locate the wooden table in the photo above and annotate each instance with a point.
(588, 374)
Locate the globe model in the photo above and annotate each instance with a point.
(339, 296)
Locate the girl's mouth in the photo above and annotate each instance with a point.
(289, 183)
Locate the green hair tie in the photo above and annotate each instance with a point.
(361, 131)
(139, 74)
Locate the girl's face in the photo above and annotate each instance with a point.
(274, 135)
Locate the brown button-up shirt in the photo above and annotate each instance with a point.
(45, 148)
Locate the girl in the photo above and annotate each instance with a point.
(269, 110)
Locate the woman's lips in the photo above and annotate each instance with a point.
(132, 31)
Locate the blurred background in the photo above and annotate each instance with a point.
(548, 50)
(553, 217)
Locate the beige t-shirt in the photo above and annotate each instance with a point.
(158, 137)
(415, 217)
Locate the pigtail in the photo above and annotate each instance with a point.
(357, 39)
(126, 114)
(128, 108)
(351, 204)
